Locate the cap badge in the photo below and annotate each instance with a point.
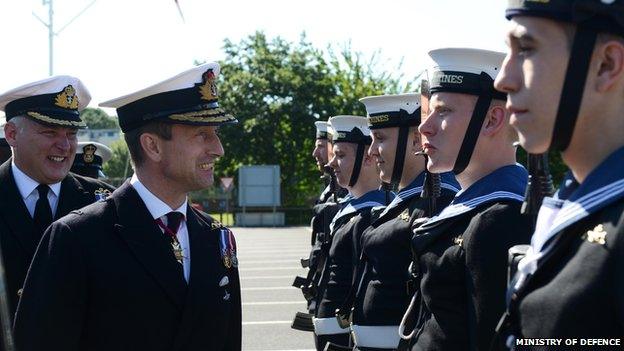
(208, 88)
(67, 98)
(88, 153)
(597, 235)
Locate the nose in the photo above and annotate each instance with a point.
(426, 126)
(216, 148)
(507, 80)
(315, 152)
(333, 163)
(372, 150)
(64, 143)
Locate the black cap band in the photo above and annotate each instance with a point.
(393, 119)
(463, 83)
(354, 136)
(321, 134)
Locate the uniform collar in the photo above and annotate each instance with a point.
(155, 206)
(26, 185)
(603, 186)
(374, 198)
(505, 183)
(447, 181)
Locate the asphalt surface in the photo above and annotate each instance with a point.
(268, 263)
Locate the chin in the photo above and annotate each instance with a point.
(532, 145)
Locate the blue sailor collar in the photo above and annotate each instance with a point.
(372, 198)
(505, 183)
(603, 186)
(447, 181)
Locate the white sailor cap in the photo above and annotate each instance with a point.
(190, 97)
(350, 129)
(466, 71)
(55, 101)
(385, 111)
(321, 129)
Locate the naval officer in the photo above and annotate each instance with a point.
(36, 186)
(143, 270)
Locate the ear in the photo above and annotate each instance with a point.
(416, 145)
(152, 146)
(494, 121)
(610, 56)
(10, 133)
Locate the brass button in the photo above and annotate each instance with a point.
(19, 292)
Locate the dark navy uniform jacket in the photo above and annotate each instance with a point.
(571, 284)
(105, 278)
(19, 237)
(348, 226)
(383, 296)
(461, 262)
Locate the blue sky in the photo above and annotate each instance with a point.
(118, 46)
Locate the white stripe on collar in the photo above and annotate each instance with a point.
(349, 209)
(400, 197)
(574, 211)
(463, 207)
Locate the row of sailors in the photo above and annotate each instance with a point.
(428, 270)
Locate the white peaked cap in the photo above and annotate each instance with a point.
(390, 103)
(467, 60)
(346, 123)
(49, 85)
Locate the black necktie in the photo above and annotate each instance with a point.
(43, 211)
(173, 221)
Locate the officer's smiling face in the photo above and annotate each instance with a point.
(320, 153)
(383, 150)
(342, 162)
(188, 158)
(43, 152)
(443, 130)
(532, 75)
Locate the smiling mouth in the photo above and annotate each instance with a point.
(205, 166)
(57, 158)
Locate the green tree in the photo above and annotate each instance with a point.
(277, 89)
(118, 167)
(96, 118)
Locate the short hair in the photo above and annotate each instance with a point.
(133, 139)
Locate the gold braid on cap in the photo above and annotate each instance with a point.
(51, 120)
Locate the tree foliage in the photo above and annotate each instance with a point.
(118, 167)
(277, 90)
(96, 118)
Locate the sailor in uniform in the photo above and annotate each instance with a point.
(89, 159)
(570, 284)
(36, 186)
(325, 208)
(460, 265)
(355, 171)
(143, 270)
(380, 295)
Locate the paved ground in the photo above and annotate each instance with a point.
(269, 261)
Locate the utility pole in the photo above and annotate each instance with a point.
(51, 33)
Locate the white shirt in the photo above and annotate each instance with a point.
(27, 188)
(159, 209)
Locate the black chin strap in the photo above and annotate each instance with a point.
(573, 87)
(357, 166)
(399, 158)
(476, 122)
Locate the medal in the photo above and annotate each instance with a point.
(177, 251)
(227, 262)
(233, 258)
